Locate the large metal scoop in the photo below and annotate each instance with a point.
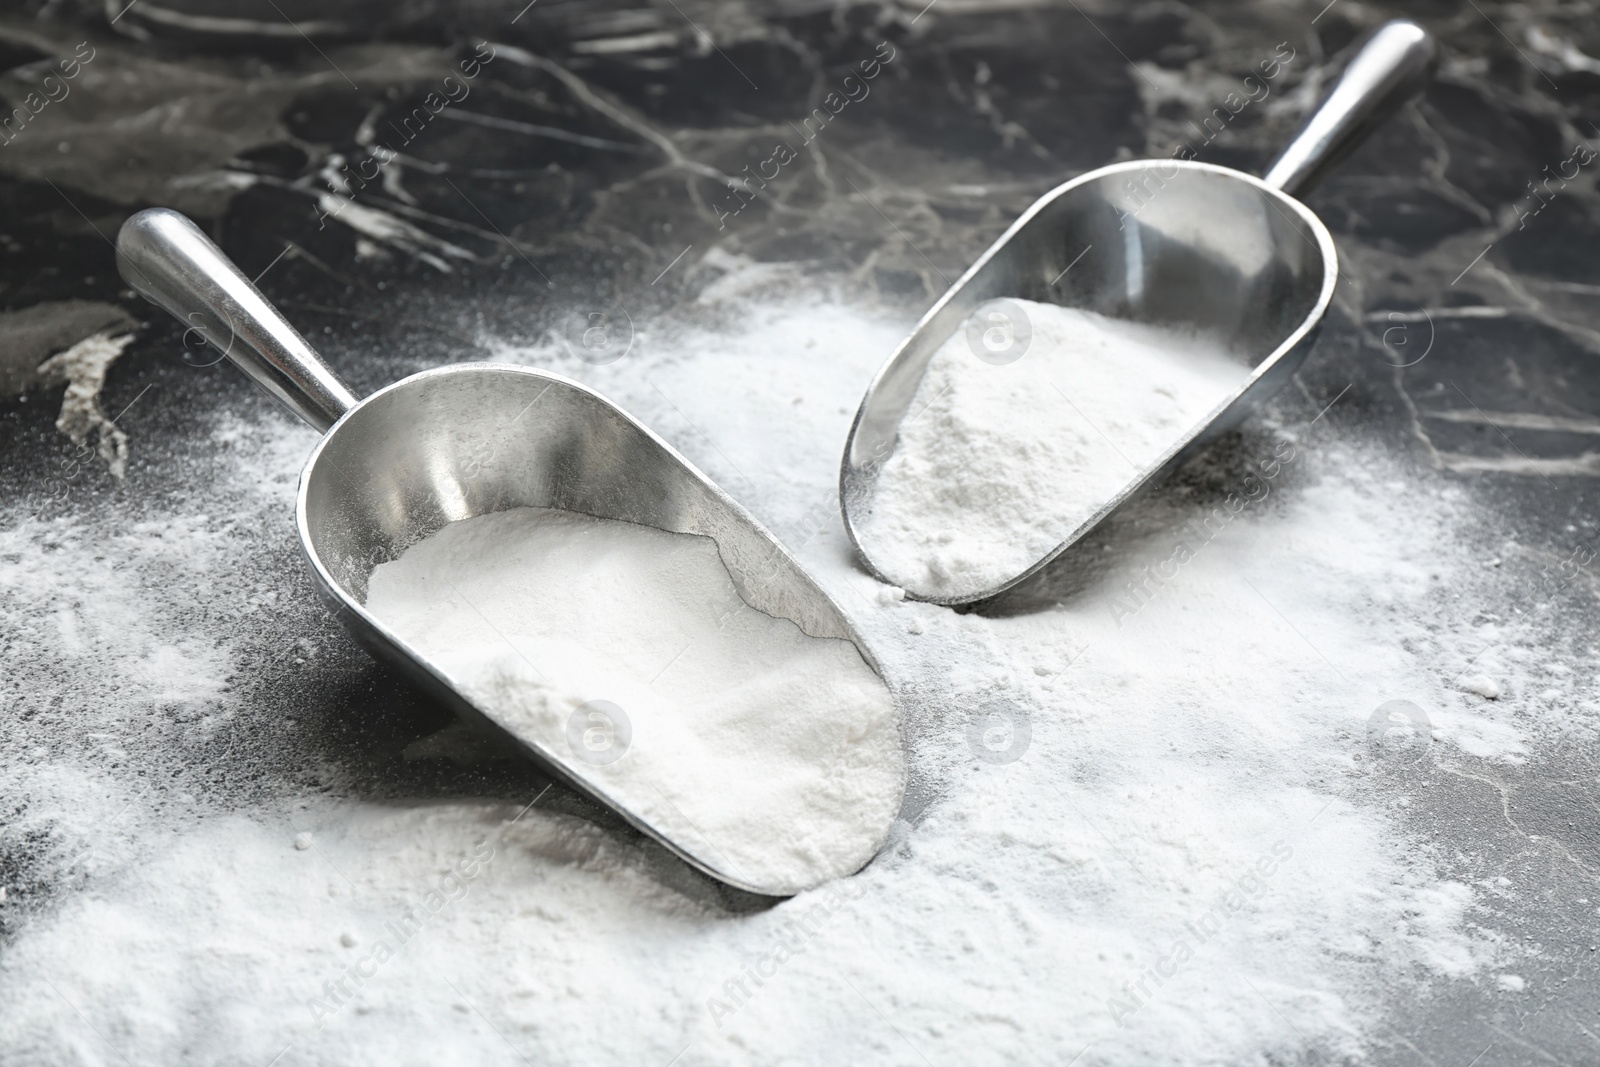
(454, 443)
(1168, 242)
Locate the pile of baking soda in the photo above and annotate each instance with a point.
(1014, 441)
(1149, 821)
(628, 656)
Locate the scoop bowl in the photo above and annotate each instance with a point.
(454, 443)
(1176, 243)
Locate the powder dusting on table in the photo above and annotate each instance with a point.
(627, 652)
(998, 463)
(1092, 786)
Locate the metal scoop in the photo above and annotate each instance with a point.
(1176, 243)
(453, 443)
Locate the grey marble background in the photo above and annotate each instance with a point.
(586, 168)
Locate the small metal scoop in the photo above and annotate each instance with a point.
(1175, 243)
(453, 443)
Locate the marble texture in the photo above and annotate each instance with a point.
(586, 169)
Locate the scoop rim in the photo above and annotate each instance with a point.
(347, 602)
(848, 472)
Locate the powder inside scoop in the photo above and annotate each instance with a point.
(1157, 759)
(999, 462)
(627, 653)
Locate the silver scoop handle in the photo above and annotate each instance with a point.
(173, 265)
(1394, 64)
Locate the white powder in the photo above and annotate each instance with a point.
(1168, 753)
(997, 464)
(627, 651)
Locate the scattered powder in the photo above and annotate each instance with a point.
(998, 463)
(1089, 790)
(628, 653)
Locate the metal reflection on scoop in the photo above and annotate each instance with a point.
(454, 443)
(1175, 243)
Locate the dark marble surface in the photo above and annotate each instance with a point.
(584, 180)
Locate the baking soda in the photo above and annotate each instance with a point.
(1151, 838)
(997, 463)
(627, 653)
